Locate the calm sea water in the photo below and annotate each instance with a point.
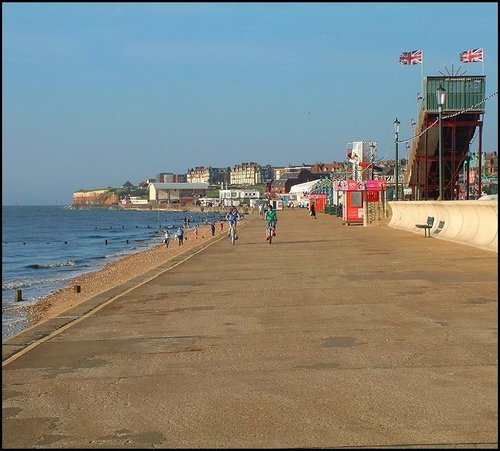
(44, 247)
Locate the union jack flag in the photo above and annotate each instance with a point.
(472, 56)
(411, 58)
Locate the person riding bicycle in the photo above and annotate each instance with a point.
(271, 220)
(232, 217)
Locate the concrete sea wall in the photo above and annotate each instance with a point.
(469, 222)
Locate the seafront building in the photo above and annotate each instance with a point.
(210, 175)
(276, 180)
(289, 179)
(201, 174)
(246, 174)
(176, 193)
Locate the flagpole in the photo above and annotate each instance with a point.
(422, 68)
(421, 83)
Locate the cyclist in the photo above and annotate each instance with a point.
(232, 218)
(271, 220)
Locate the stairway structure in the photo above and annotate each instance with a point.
(461, 119)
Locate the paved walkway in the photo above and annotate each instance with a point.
(333, 336)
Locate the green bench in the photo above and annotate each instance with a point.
(427, 227)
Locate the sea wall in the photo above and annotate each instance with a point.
(469, 222)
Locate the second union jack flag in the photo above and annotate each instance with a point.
(411, 58)
(472, 56)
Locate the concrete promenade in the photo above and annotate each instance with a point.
(333, 336)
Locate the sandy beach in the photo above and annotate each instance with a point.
(112, 275)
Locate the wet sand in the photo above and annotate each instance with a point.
(112, 275)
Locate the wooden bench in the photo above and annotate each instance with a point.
(427, 227)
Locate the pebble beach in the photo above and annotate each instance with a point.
(112, 275)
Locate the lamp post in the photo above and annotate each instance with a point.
(419, 99)
(474, 171)
(372, 156)
(441, 97)
(396, 172)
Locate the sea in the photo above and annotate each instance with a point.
(44, 247)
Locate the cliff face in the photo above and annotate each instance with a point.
(95, 197)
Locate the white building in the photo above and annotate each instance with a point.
(235, 197)
(136, 200)
(246, 174)
(173, 193)
(200, 174)
(299, 194)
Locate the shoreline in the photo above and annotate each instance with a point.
(110, 276)
(160, 207)
(245, 209)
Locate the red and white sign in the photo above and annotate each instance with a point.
(372, 185)
(352, 185)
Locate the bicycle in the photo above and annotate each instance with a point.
(232, 218)
(271, 225)
(232, 233)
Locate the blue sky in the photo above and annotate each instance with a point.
(97, 94)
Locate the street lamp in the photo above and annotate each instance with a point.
(372, 156)
(396, 136)
(441, 97)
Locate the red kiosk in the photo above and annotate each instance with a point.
(319, 201)
(357, 195)
(353, 212)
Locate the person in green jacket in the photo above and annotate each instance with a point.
(271, 220)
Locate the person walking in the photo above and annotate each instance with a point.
(180, 235)
(261, 211)
(212, 227)
(166, 239)
(339, 210)
(312, 210)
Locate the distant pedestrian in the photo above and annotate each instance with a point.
(212, 227)
(312, 210)
(166, 239)
(180, 236)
